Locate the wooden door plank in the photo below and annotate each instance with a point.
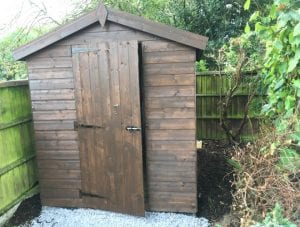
(137, 189)
(93, 78)
(126, 109)
(106, 184)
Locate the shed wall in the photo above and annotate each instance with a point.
(169, 101)
(169, 109)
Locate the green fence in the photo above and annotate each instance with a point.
(18, 175)
(211, 86)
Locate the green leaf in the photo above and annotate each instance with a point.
(296, 84)
(296, 136)
(259, 27)
(297, 30)
(278, 44)
(289, 159)
(273, 11)
(279, 84)
(289, 103)
(247, 4)
(235, 164)
(254, 16)
(294, 61)
(247, 28)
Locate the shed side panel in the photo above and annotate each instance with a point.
(53, 107)
(169, 101)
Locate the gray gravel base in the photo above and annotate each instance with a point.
(51, 216)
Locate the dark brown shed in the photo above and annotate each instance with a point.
(113, 101)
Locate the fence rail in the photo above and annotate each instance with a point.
(211, 86)
(18, 175)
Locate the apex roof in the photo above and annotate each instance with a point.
(103, 14)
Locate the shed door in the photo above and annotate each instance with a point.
(109, 121)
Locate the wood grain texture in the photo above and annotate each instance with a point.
(62, 202)
(52, 84)
(157, 29)
(107, 94)
(169, 91)
(53, 105)
(166, 113)
(59, 193)
(56, 145)
(60, 183)
(53, 51)
(55, 135)
(54, 125)
(171, 123)
(170, 80)
(169, 57)
(58, 155)
(59, 164)
(125, 35)
(58, 174)
(164, 46)
(61, 94)
(54, 115)
(53, 73)
(53, 62)
(170, 102)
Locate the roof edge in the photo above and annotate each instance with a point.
(158, 29)
(123, 18)
(56, 35)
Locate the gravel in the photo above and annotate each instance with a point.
(51, 216)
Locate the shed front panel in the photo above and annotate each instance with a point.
(168, 96)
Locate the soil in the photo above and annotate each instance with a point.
(214, 180)
(28, 209)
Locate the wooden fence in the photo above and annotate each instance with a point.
(18, 175)
(211, 86)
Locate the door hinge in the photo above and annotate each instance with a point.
(81, 193)
(81, 125)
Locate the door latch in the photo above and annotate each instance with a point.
(133, 128)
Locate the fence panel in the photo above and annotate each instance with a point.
(18, 175)
(211, 86)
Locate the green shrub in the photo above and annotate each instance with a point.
(275, 218)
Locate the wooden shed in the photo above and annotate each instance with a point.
(113, 102)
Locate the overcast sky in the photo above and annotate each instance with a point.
(21, 12)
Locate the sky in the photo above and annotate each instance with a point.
(21, 12)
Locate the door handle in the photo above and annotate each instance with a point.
(133, 128)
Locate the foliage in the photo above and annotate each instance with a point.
(267, 169)
(201, 66)
(9, 68)
(211, 18)
(261, 181)
(279, 30)
(275, 218)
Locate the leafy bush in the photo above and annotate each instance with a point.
(261, 177)
(275, 218)
(9, 68)
(201, 66)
